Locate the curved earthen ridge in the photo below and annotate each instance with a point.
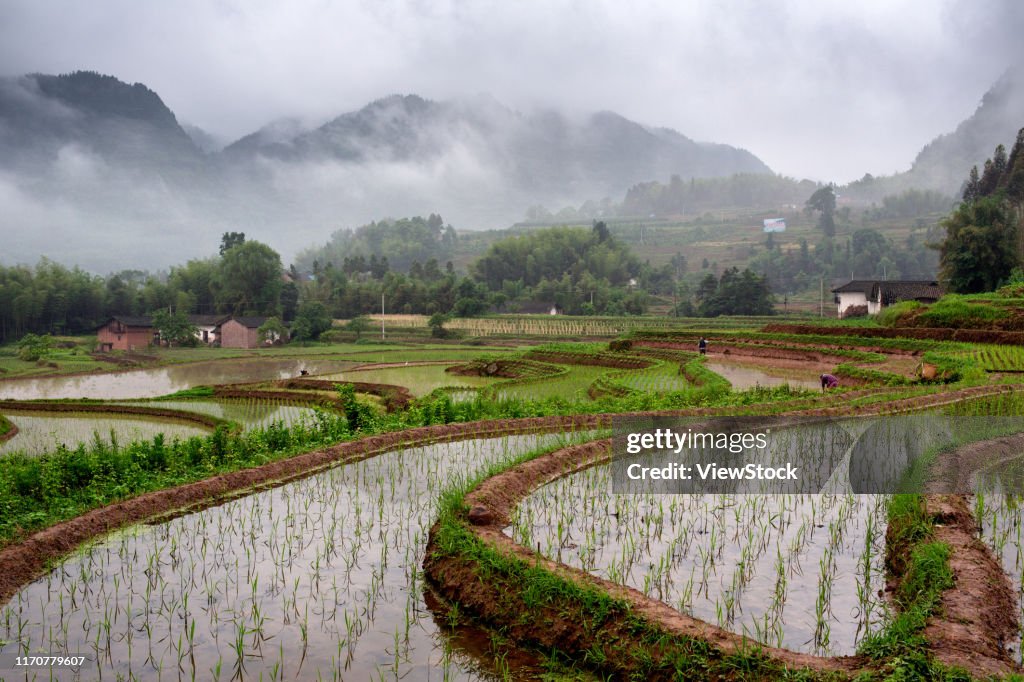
(9, 433)
(491, 505)
(977, 618)
(206, 420)
(28, 559)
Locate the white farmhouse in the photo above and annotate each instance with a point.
(869, 296)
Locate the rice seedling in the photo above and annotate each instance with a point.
(740, 561)
(319, 577)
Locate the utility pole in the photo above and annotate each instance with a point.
(382, 316)
(821, 300)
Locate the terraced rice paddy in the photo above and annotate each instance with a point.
(573, 384)
(797, 571)
(251, 414)
(1001, 518)
(43, 432)
(743, 377)
(663, 377)
(419, 379)
(151, 383)
(317, 579)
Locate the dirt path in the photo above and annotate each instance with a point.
(954, 470)
(979, 615)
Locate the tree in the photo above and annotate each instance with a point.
(272, 330)
(983, 235)
(436, 324)
(735, 293)
(311, 321)
(174, 328)
(358, 324)
(979, 251)
(601, 231)
(249, 280)
(230, 240)
(32, 347)
(824, 201)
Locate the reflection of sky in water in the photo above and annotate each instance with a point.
(150, 383)
(38, 433)
(743, 378)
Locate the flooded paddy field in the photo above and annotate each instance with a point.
(151, 383)
(743, 376)
(796, 571)
(251, 414)
(317, 579)
(44, 432)
(419, 379)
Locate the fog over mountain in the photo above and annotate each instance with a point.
(99, 172)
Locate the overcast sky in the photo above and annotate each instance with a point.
(826, 90)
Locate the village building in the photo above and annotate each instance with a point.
(206, 327)
(240, 332)
(123, 332)
(869, 297)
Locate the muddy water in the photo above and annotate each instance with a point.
(1001, 520)
(743, 377)
(797, 571)
(40, 432)
(150, 383)
(320, 578)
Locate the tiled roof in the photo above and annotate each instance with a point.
(863, 286)
(891, 292)
(250, 322)
(129, 321)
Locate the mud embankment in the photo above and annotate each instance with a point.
(44, 406)
(29, 558)
(563, 624)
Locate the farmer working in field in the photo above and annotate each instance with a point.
(702, 346)
(828, 381)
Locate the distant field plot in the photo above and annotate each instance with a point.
(41, 432)
(572, 384)
(663, 377)
(419, 379)
(1000, 358)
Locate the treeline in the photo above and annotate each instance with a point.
(246, 279)
(402, 242)
(746, 190)
(865, 254)
(984, 241)
(575, 270)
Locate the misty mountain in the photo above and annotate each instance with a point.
(944, 163)
(126, 124)
(99, 172)
(545, 153)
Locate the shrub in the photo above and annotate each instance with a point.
(955, 312)
(894, 314)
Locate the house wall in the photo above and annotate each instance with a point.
(852, 298)
(233, 334)
(118, 337)
(206, 334)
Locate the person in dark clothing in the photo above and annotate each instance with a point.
(828, 381)
(702, 346)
